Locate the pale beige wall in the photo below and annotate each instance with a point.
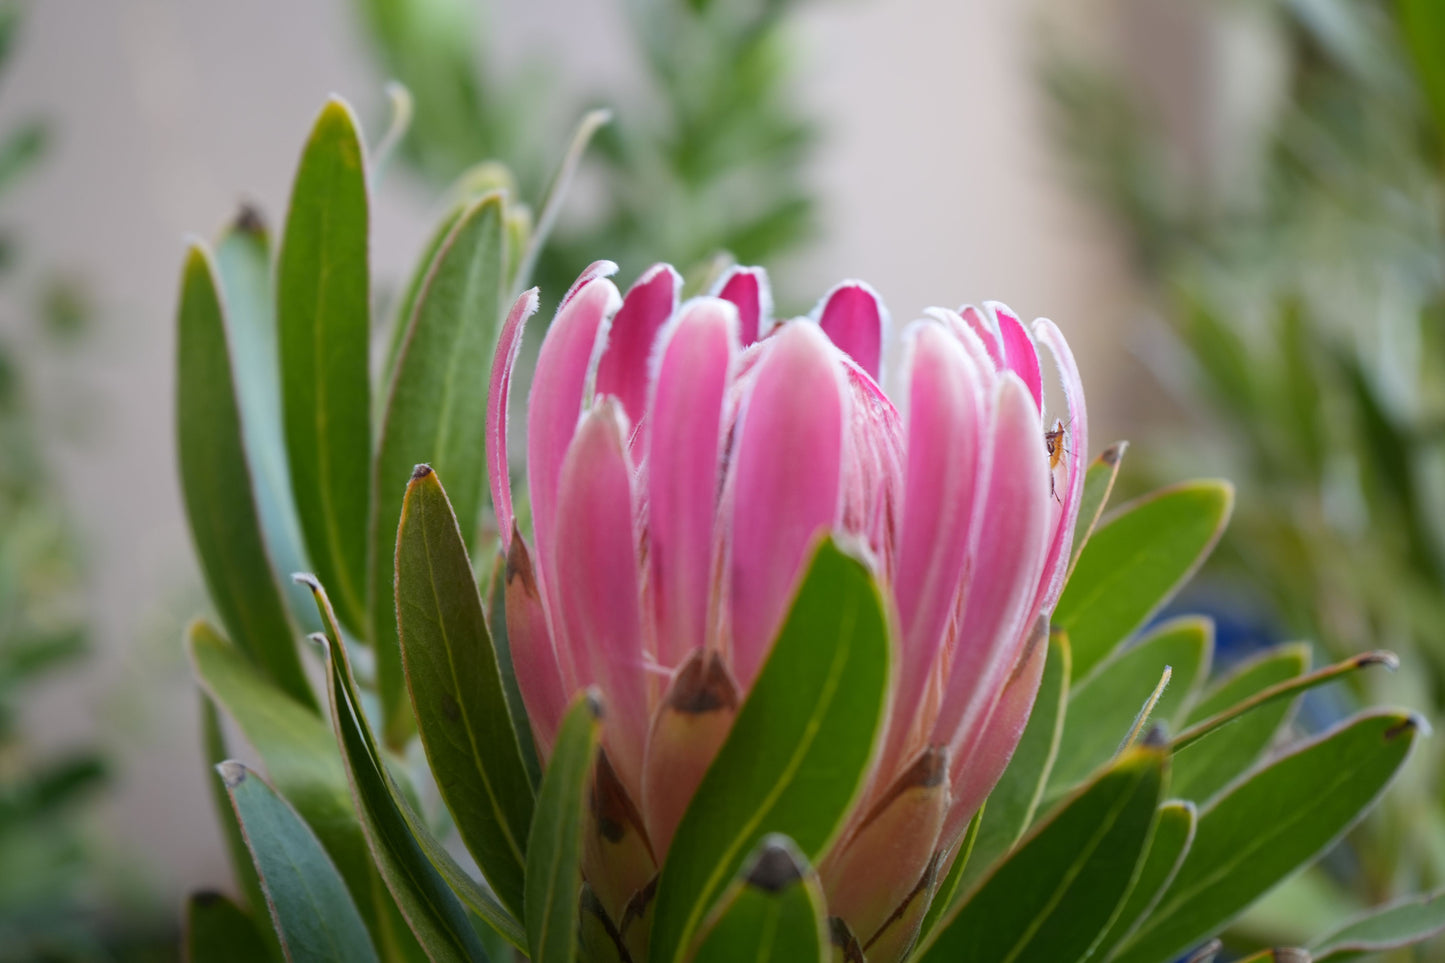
(939, 188)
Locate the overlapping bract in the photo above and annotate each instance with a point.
(682, 461)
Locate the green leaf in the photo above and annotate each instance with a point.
(323, 321)
(1423, 24)
(1283, 691)
(1403, 923)
(313, 912)
(423, 879)
(1098, 485)
(1207, 766)
(436, 414)
(216, 483)
(554, 849)
(214, 743)
(1173, 835)
(1103, 707)
(1054, 897)
(1271, 824)
(1135, 562)
(1016, 797)
(773, 911)
(798, 751)
(243, 263)
(485, 178)
(456, 689)
(219, 931)
(299, 753)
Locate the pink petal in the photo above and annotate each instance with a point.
(622, 372)
(1012, 538)
(684, 452)
(983, 326)
(597, 585)
(853, 317)
(558, 386)
(988, 361)
(945, 415)
(499, 395)
(533, 659)
(1075, 464)
(747, 287)
(1019, 352)
(983, 759)
(787, 467)
(593, 271)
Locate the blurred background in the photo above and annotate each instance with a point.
(1233, 208)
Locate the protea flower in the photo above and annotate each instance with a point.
(682, 461)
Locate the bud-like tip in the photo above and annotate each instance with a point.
(1383, 657)
(1157, 737)
(595, 706)
(1410, 722)
(703, 684)
(1112, 454)
(307, 579)
(249, 220)
(232, 773)
(776, 867)
(420, 471)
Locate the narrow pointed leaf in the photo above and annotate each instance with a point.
(1404, 923)
(773, 911)
(299, 753)
(456, 689)
(309, 903)
(1014, 801)
(1283, 691)
(1055, 895)
(485, 178)
(554, 851)
(1098, 486)
(1271, 824)
(551, 206)
(422, 878)
(1171, 841)
(323, 331)
(798, 750)
(219, 931)
(1104, 706)
(244, 870)
(953, 886)
(1134, 563)
(243, 263)
(495, 597)
(436, 414)
(1208, 765)
(216, 483)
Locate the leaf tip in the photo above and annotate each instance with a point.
(776, 867)
(249, 220)
(1114, 453)
(420, 471)
(1411, 723)
(308, 580)
(1384, 657)
(206, 897)
(593, 700)
(232, 773)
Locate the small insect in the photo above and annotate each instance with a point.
(1054, 445)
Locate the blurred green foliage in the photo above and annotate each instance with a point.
(708, 156)
(1297, 269)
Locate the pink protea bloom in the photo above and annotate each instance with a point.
(682, 462)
